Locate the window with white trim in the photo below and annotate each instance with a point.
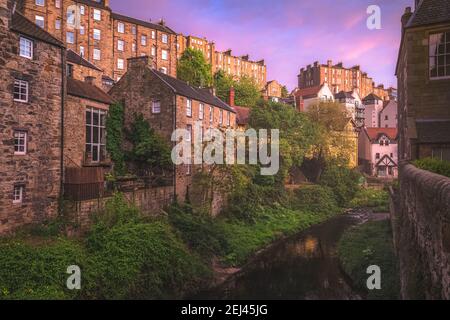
(96, 133)
(120, 64)
(164, 38)
(26, 48)
(18, 194)
(40, 3)
(97, 34)
(228, 118)
(144, 40)
(58, 24)
(97, 54)
(220, 117)
(153, 51)
(39, 20)
(201, 111)
(153, 34)
(189, 107)
(156, 106)
(189, 130)
(120, 45)
(82, 10)
(20, 90)
(70, 37)
(82, 30)
(82, 51)
(133, 46)
(163, 70)
(20, 142)
(58, 4)
(164, 54)
(120, 27)
(211, 114)
(97, 15)
(439, 53)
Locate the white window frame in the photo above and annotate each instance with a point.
(120, 64)
(82, 10)
(26, 46)
(201, 111)
(189, 130)
(72, 41)
(120, 27)
(189, 108)
(165, 38)
(153, 51)
(95, 56)
(163, 70)
(164, 55)
(156, 106)
(22, 148)
(438, 55)
(21, 85)
(153, 34)
(40, 3)
(97, 15)
(58, 24)
(100, 127)
(228, 118)
(133, 47)
(143, 40)
(82, 30)
(120, 45)
(58, 4)
(18, 194)
(97, 34)
(220, 117)
(39, 18)
(82, 52)
(211, 114)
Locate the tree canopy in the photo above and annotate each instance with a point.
(246, 90)
(194, 69)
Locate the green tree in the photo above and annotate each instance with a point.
(284, 92)
(247, 92)
(223, 83)
(114, 131)
(194, 69)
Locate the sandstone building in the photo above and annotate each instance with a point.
(423, 73)
(105, 38)
(340, 78)
(32, 87)
(273, 91)
(168, 104)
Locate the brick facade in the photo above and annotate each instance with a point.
(35, 172)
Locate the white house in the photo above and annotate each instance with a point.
(307, 97)
(353, 103)
(388, 115)
(373, 105)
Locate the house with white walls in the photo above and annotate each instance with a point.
(306, 97)
(373, 105)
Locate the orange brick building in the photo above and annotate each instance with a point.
(340, 78)
(105, 38)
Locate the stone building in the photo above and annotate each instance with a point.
(273, 91)
(353, 104)
(423, 72)
(340, 78)
(31, 89)
(105, 38)
(168, 104)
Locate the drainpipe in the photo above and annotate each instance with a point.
(173, 146)
(63, 92)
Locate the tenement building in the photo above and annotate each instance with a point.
(103, 37)
(340, 78)
(31, 89)
(168, 104)
(423, 73)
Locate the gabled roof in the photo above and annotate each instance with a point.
(387, 103)
(433, 131)
(85, 90)
(309, 92)
(344, 95)
(387, 161)
(199, 94)
(242, 115)
(372, 96)
(26, 27)
(74, 57)
(430, 12)
(151, 25)
(375, 133)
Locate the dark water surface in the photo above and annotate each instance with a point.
(302, 267)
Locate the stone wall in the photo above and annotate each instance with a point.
(421, 223)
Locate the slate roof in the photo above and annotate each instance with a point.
(375, 133)
(242, 115)
(309, 92)
(74, 57)
(433, 131)
(94, 4)
(87, 91)
(372, 96)
(199, 94)
(430, 12)
(344, 95)
(26, 27)
(151, 25)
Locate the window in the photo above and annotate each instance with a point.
(71, 18)
(165, 38)
(153, 34)
(58, 3)
(143, 40)
(39, 21)
(153, 51)
(386, 118)
(70, 37)
(20, 142)
(40, 3)
(82, 51)
(220, 117)
(97, 34)
(120, 27)
(20, 90)
(201, 111)
(188, 169)
(97, 15)
(163, 70)
(228, 118)
(95, 133)
(18, 194)
(189, 107)
(133, 29)
(97, 54)
(377, 156)
(82, 10)
(189, 130)
(69, 70)
(57, 24)
(440, 55)
(211, 114)
(164, 54)
(26, 48)
(82, 30)
(120, 64)
(156, 106)
(120, 45)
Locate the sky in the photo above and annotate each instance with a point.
(288, 34)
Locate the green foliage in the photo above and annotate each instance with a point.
(441, 167)
(284, 92)
(114, 131)
(150, 151)
(194, 69)
(366, 245)
(314, 198)
(223, 83)
(38, 271)
(371, 198)
(247, 93)
(199, 231)
(343, 181)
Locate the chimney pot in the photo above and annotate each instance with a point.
(231, 97)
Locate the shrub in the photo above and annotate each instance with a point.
(319, 199)
(343, 181)
(371, 198)
(441, 167)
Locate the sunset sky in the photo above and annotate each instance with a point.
(288, 34)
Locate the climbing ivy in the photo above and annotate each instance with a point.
(114, 131)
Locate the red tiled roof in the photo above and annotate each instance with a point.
(374, 133)
(308, 91)
(242, 115)
(87, 91)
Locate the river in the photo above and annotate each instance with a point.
(302, 267)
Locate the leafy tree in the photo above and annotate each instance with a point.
(114, 130)
(284, 92)
(223, 83)
(194, 69)
(247, 92)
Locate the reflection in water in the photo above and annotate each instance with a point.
(302, 267)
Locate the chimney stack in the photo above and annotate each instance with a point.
(406, 16)
(106, 3)
(231, 97)
(330, 63)
(140, 62)
(90, 80)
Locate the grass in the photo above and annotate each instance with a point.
(367, 245)
(376, 199)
